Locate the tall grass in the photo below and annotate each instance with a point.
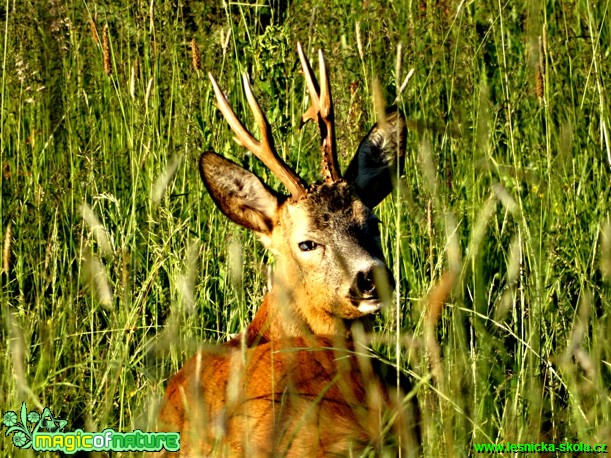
(116, 264)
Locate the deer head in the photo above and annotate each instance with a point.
(330, 268)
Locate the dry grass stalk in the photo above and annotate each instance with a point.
(135, 75)
(540, 72)
(94, 31)
(97, 229)
(359, 43)
(605, 251)
(196, 57)
(436, 300)
(430, 230)
(539, 87)
(106, 51)
(6, 252)
(96, 275)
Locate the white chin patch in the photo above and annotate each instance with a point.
(370, 306)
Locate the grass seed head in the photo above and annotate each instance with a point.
(106, 51)
(540, 85)
(6, 252)
(196, 57)
(94, 31)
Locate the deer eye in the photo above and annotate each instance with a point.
(308, 245)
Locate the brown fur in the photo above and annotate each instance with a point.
(299, 397)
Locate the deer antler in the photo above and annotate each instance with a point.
(264, 149)
(322, 110)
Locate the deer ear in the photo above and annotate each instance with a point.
(372, 168)
(238, 193)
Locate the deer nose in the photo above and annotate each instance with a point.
(365, 283)
(369, 282)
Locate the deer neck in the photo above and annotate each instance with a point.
(285, 314)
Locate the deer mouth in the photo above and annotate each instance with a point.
(367, 304)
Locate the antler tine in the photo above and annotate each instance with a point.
(326, 106)
(264, 149)
(312, 84)
(322, 109)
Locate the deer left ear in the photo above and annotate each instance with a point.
(372, 168)
(239, 194)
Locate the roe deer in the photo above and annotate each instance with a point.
(297, 386)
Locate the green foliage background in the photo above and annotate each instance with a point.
(116, 266)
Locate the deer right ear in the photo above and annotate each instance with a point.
(238, 193)
(371, 171)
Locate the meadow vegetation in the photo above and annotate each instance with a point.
(116, 266)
